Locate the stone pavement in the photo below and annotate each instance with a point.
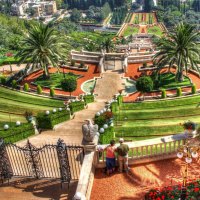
(140, 179)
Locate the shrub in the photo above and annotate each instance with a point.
(3, 80)
(107, 135)
(72, 62)
(100, 120)
(194, 89)
(88, 98)
(178, 92)
(144, 65)
(52, 92)
(120, 99)
(26, 87)
(163, 95)
(39, 89)
(114, 107)
(14, 83)
(69, 84)
(82, 64)
(76, 106)
(16, 133)
(144, 84)
(49, 121)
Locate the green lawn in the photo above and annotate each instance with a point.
(13, 105)
(145, 120)
(130, 30)
(168, 80)
(54, 81)
(155, 30)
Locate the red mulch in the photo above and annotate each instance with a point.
(141, 178)
(90, 74)
(134, 73)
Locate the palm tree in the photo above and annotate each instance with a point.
(180, 48)
(42, 46)
(107, 44)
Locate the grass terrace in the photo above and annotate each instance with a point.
(54, 80)
(145, 120)
(156, 30)
(168, 80)
(130, 30)
(13, 105)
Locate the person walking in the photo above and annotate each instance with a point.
(122, 151)
(110, 157)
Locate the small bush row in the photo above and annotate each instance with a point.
(76, 106)
(88, 98)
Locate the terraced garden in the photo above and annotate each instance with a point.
(138, 121)
(130, 30)
(14, 104)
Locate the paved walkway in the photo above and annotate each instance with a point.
(140, 179)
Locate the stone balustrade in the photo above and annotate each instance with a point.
(148, 150)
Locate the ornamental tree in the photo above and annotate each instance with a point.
(69, 84)
(144, 84)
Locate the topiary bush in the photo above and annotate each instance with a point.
(14, 83)
(194, 89)
(3, 80)
(49, 121)
(163, 95)
(69, 84)
(26, 87)
(82, 64)
(52, 92)
(178, 92)
(73, 62)
(39, 89)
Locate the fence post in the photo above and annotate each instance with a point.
(65, 172)
(5, 166)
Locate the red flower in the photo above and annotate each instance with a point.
(172, 197)
(196, 189)
(9, 54)
(163, 197)
(158, 198)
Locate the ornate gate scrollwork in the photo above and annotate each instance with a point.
(5, 166)
(63, 162)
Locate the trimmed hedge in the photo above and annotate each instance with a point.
(39, 89)
(52, 92)
(88, 99)
(26, 87)
(114, 107)
(163, 95)
(3, 80)
(16, 133)
(108, 135)
(178, 92)
(194, 89)
(14, 84)
(49, 121)
(76, 106)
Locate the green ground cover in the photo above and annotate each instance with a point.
(145, 120)
(130, 30)
(54, 81)
(14, 104)
(168, 80)
(155, 30)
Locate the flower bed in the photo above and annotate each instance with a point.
(174, 192)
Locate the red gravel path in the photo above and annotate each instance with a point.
(134, 73)
(141, 178)
(90, 74)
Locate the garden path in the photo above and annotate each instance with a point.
(71, 131)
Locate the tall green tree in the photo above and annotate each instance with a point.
(42, 46)
(180, 48)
